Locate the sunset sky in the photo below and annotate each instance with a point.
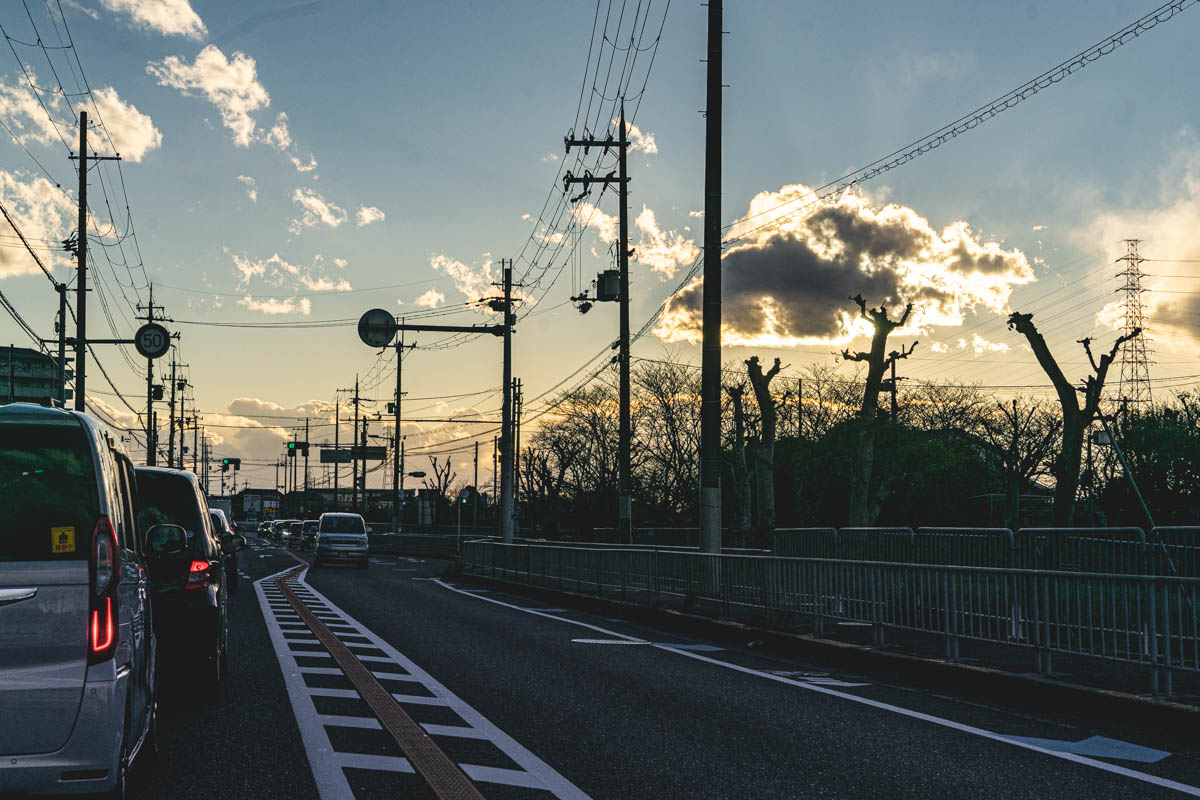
(304, 162)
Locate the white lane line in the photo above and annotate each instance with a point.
(345, 694)
(419, 700)
(394, 676)
(1193, 791)
(546, 777)
(461, 731)
(320, 670)
(327, 771)
(508, 777)
(361, 761)
(340, 721)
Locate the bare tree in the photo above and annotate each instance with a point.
(864, 508)
(1024, 436)
(764, 452)
(442, 477)
(1075, 419)
(740, 519)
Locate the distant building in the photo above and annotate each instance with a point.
(257, 505)
(27, 376)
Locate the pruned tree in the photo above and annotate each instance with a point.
(740, 519)
(764, 451)
(1075, 418)
(442, 477)
(865, 505)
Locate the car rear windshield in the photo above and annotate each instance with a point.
(342, 525)
(47, 491)
(168, 499)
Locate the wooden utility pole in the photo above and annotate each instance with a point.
(710, 380)
(171, 423)
(353, 460)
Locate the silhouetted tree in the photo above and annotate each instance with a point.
(764, 451)
(864, 507)
(1075, 418)
(739, 518)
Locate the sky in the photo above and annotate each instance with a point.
(294, 163)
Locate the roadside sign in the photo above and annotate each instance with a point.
(152, 340)
(368, 453)
(377, 327)
(332, 456)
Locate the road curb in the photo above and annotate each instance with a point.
(1025, 692)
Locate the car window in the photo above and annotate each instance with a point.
(48, 492)
(342, 524)
(128, 484)
(170, 499)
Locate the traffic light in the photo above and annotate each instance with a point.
(226, 463)
(291, 448)
(391, 408)
(157, 391)
(304, 449)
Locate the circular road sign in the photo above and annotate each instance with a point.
(152, 340)
(377, 327)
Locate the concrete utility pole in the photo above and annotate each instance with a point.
(397, 465)
(710, 390)
(518, 402)
(363, 443)
(81, 274)
(624, 476)
(353, 460)
(81, 341)
(506, 417)
(337, 424)
(306, 457)
(171, 423)
(195, 439)
(475, 486)
(151, 430)
(62, 343)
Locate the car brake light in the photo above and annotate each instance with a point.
(197, 575)
(105, 565)
(102, 628)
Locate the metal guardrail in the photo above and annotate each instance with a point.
(415, 544)
(1147, 620)
(1167, 551)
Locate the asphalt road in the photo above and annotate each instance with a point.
(533, 701)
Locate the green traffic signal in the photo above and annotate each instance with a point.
(291, 445)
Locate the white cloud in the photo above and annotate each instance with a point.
(273, 306)
(251, 187)
(1039, 227)
(431, 299)
(229, 84)
(316, 211)
(639, 139)
(550, 157)
(699, 214)
(133, 134)
(940, 347)
(473, 282)
(663, 252)
(588, 215)
(168, 17)
(43, 212)
(368, 214)
(279, 136)
(277, 272)
(341, 263)
(91, 12)
(786, 284)
(527, 216)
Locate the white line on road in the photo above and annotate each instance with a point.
(1194, 791)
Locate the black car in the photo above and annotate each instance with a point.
(223, 528)
(188, 588)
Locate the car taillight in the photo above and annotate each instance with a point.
(102, 614)
(197, 575)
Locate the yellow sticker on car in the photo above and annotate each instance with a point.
(63, 539)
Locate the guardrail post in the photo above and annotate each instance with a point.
(1153, 636)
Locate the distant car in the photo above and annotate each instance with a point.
(187, 585)
(77, 643)
(282, 530)
(295, 533)
(342, 538)
(308, 534)
(222, 526)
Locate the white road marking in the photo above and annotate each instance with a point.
(327, 763)
(1145, 777)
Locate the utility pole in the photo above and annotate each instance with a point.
(506, 417)
(518, 402)
(151, 431)
(171, 424)
(624, 478)
(195, 439)
(81, 277)
(397, 466)
(81, 268)
(363, 443)
(799, 408)
(353, 460)
(710, 404)
(495, 472)
(306, 457)
(277, 475)
(62, 343)
(475, 486)
(337, 424)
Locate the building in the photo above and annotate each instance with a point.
(257, 505)
(27, 376)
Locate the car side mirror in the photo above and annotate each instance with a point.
(166, 540)
(233, 543)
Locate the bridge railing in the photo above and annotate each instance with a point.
(1147, 620)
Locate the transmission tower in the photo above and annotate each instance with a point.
(1134, 386)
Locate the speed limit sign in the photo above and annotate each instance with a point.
(152, 340)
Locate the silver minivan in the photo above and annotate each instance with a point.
(77, 647)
